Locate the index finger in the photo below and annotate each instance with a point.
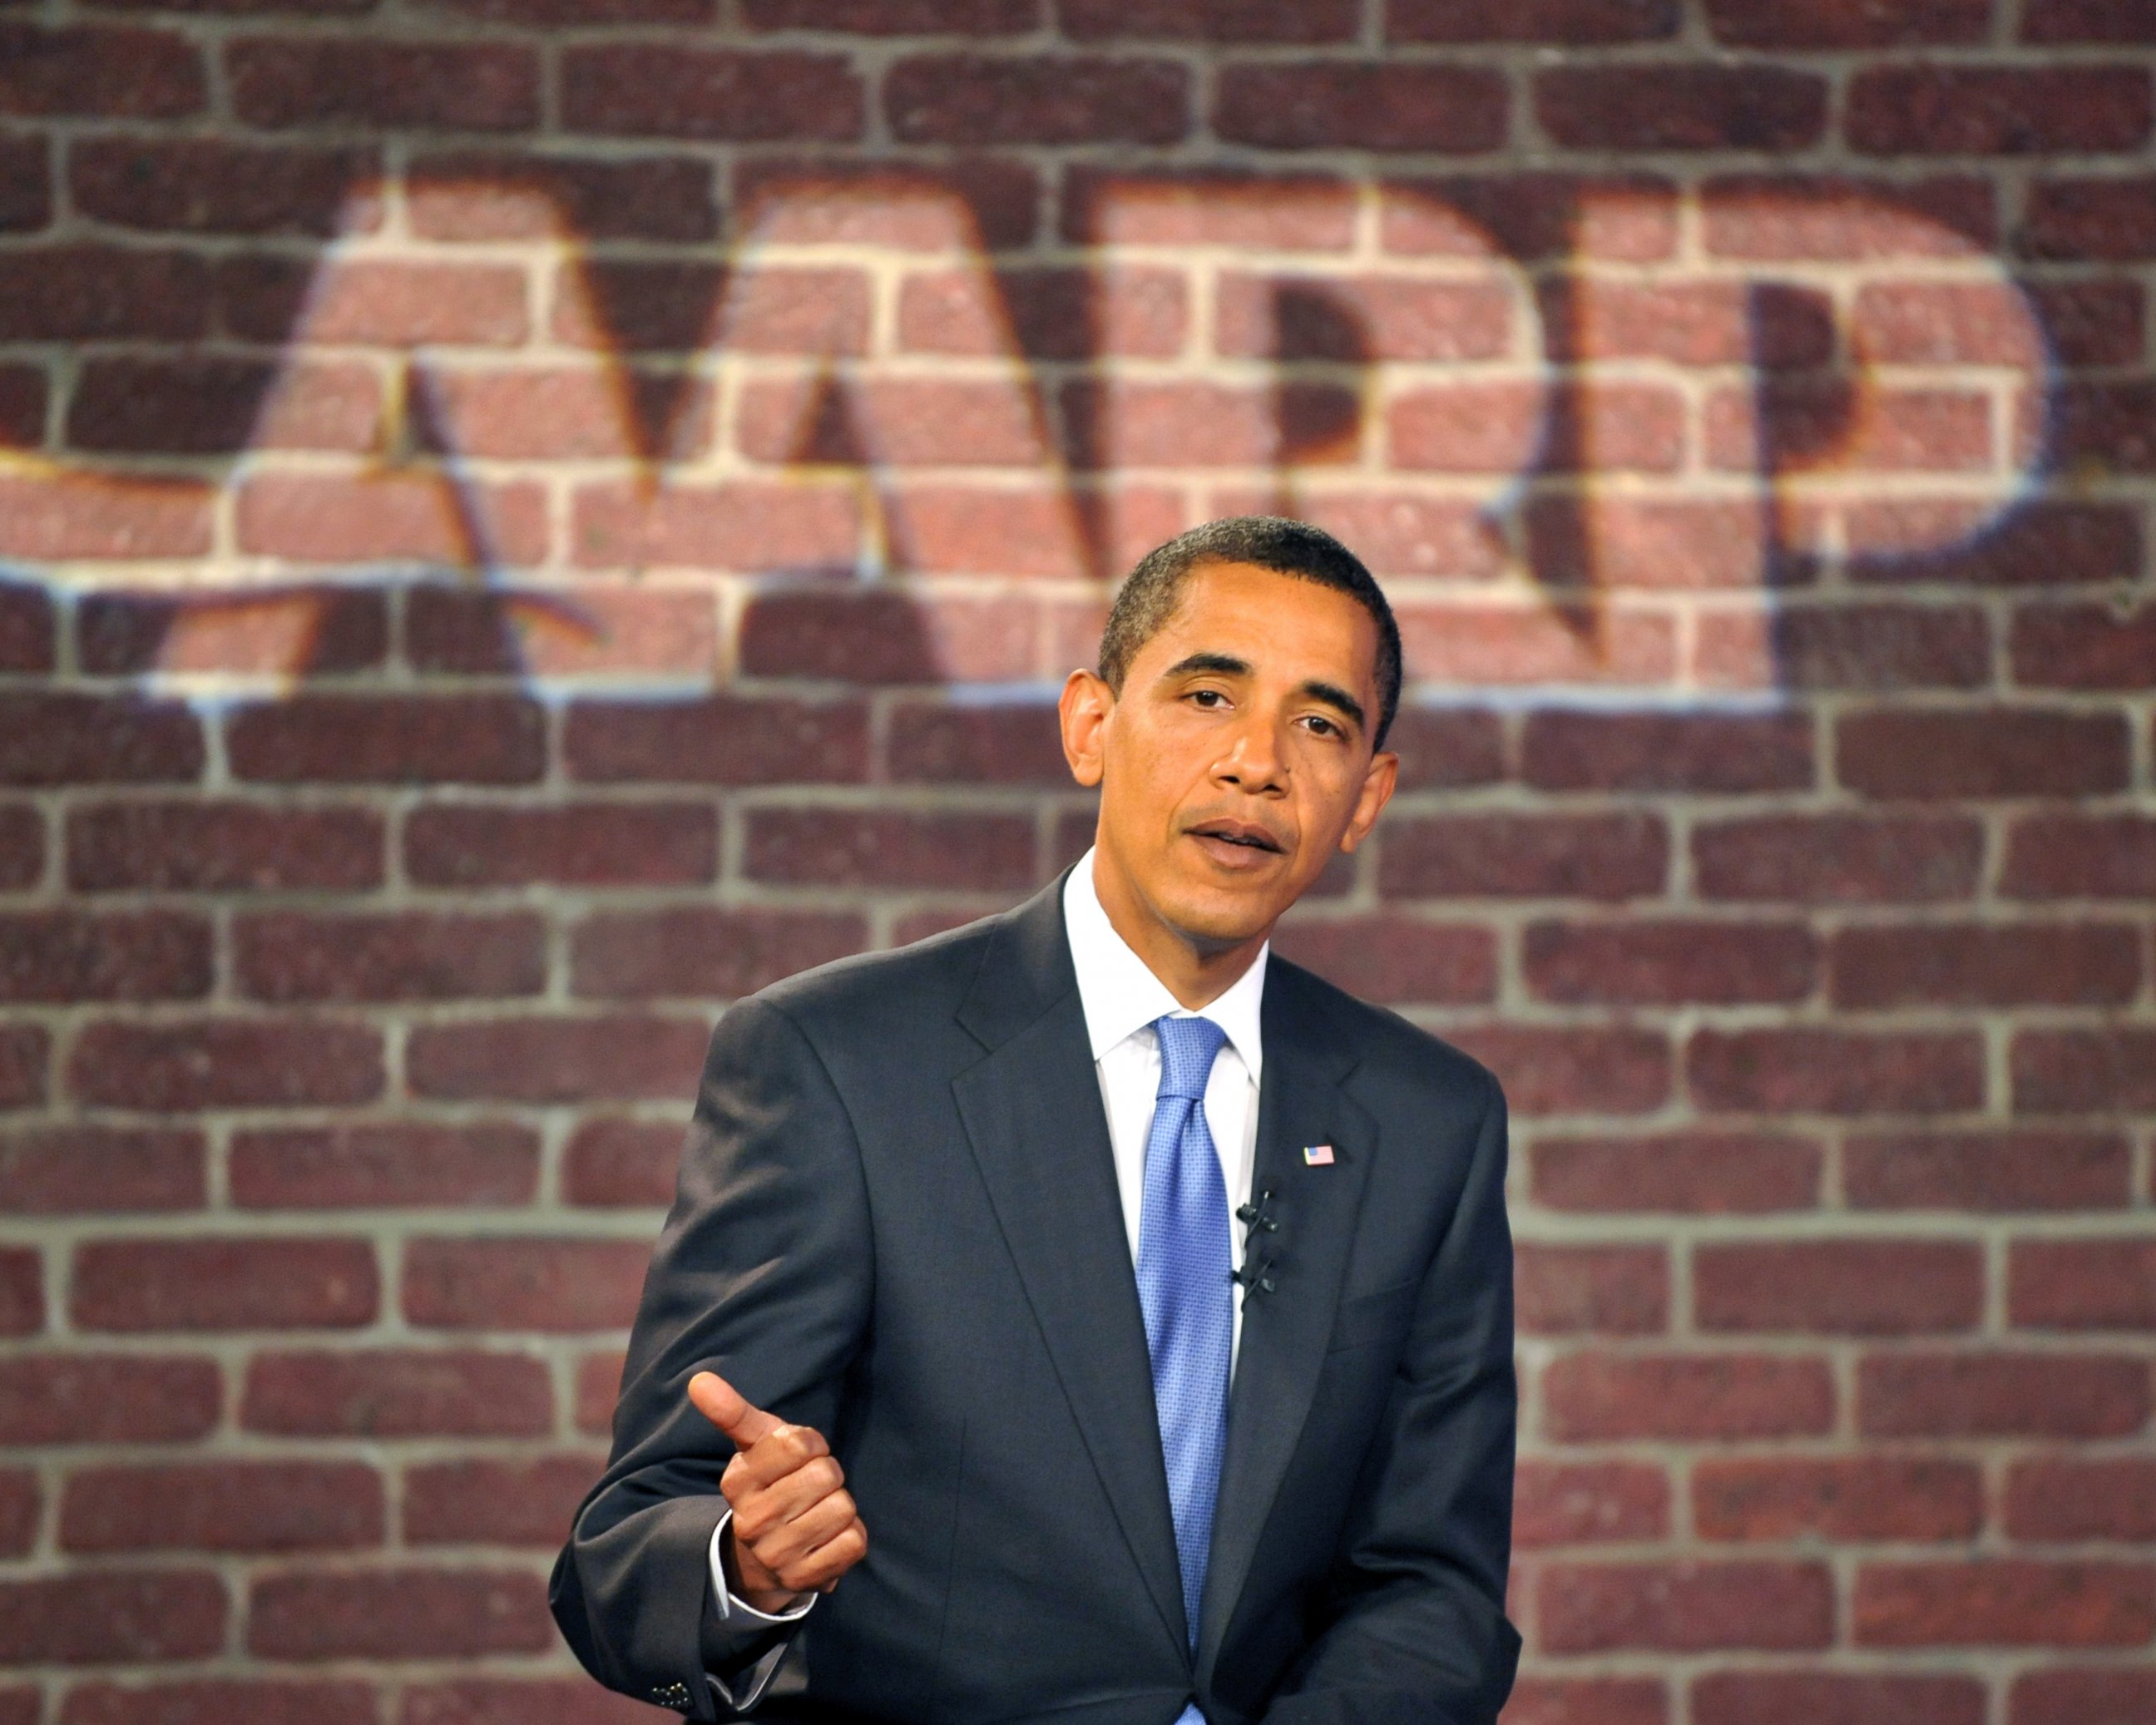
(726, 1408)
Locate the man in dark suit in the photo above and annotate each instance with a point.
(1085, 1315)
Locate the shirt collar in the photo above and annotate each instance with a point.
(1120, 995)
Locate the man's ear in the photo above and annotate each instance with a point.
(1084, 708)
(1383, 773)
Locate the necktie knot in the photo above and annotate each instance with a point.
(1187, 1046)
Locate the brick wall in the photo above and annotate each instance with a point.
(526, 520)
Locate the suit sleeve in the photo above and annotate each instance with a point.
(1418, 1630)
(763, 1274)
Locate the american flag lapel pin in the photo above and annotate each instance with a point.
(1318, 1155)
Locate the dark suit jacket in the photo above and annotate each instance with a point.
(898, 1222)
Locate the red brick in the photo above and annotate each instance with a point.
(598, 1383)
(895, 18)
(1395, 959)
(223, 1505)
(2112, 220)
(225, 1063)
(1334, 106)
(1977, 964)
(753, 526)
(86, 1398)
(1997, 110)
(488, 195)
(1717, 754)
(26, 203)
(409, 1613)
(1994, 1395)
(2080, 856)
(1820, 1698)
(2111, 1695)
(1946, 323)
(582, 844)
(317, 630)
(1498, 428)
(1540, 216)
(612, 1164)
(210, 1700)
(2084, 1284)
(1602, 1396)
(1827, 1072)
(558, 1059)
(1586, 1701)
(2086, 21)
(393, 1393)
(900, 421)
(294, 956)
(2070, 1498)
(2004, 1602)
(587, 12)
(1445, 748)
(1617, 541)
(2096, 322)
(1567, 22)
(557, 1286)
(1703, 322)
(931, 742)
(1997, 751)
(1668, 964)
(1360, 319)
(60, 737)
(218, 845)
(90, 1170)
(723, 739)
(702, 952)
(1048, 529)
(1397, 534)
(595, 629)
(2106, 424)
(1832, 218)
(88, 292)
(885, 847)
(27, 634)
(352, 81)
(397, 516)
(1790, 421)
(516, 1701)
(1138, 422)
(976, 100)
(68, 955)
(1044, 313)
(389, 739)
(2084, 647)
(994, 202)
(106, 74)
(1587, 1502)
(207, 1284)
(21, 1291)
(1585, 1608)
(1511, 643)
(111, 1617)
(353, 1166)
(1837, 859)
(2085, 1071)
(48, 517)
(1692, 1173)
(1681, 107)
(655, 89)
(1838, 1498)
(1596, 856)
(1998, 1173)
(22, 846)
(1551, 1069)
(571, 413)
(1843, 1287)
(1855, 647)
(489, 1502)
(1183, 21)
(20, 1505)
(25, 1052)
(1848, 23)
(211, 186)
(1615, 1290)
(1210, 206)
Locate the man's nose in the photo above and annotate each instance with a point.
(1255, 761)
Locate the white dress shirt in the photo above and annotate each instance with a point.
(1121, 999)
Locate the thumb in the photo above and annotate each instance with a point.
(726, 1408)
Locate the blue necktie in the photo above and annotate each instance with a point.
(1184, 1257)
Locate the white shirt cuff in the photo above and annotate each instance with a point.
(740, 1615)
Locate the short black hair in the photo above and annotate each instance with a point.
(1152, 591)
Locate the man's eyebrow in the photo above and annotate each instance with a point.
(1225, 665)
(1335, 697)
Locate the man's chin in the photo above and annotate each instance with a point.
(1214, 918)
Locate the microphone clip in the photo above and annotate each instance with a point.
(1256, 1274)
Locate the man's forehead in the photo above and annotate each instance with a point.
(1274, 622)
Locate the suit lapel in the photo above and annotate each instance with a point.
(1031, 1111)
(1284, 1331)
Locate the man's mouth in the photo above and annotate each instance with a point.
(1241, 834)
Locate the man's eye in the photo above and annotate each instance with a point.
(1323, 727)
(1208, 697)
